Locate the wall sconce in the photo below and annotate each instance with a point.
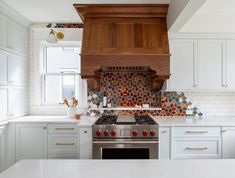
(54, 36)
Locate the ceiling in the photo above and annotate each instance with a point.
(44, 11)
(215, 16)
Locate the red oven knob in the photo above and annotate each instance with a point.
(135, 133)
(106, 133)
(113, 133)
(98, 133)
(145, 133)
(152, 133)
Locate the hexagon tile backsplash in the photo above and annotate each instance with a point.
(128, 89)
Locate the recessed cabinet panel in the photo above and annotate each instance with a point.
(17, 70)
(17, 38)
(164, 142)
(210, 64)
(183, 65)
(31, 141)
(18, 102)
(3, 104)
(3, 67)
(230, 64)
(3, 31)
(228, 142)
(85, 143)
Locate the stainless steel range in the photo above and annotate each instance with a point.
(125, 137)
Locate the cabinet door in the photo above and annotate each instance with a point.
(17, 38)
(86, 143)
(3, 68)
(3, 104)
(2, 149)
(182, 65)
(164, 143)
(230, 64)
(228, 142)
(18, 102)
(3, 31)
(31, 141)
(17, 70)
(210, 64)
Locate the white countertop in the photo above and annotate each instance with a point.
(195, 121)
(84, 121)
(162, 121)
(121, 169)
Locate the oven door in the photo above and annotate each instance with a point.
(125, 149)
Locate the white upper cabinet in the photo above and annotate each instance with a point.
(182, 65)
(210, 64)
(202, 63)
(3, 31)
(3, 68)
(17, 38)
(230, 64)
(17, 70)
(13, 36)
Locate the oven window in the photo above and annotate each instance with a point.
(125, 153)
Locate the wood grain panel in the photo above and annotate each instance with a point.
(124, 35)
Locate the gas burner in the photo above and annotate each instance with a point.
(144, 120)
(106, 120)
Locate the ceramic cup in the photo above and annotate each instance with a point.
(71, 112)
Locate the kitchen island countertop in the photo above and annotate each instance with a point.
(121, 169)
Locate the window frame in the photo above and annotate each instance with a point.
(44, 73)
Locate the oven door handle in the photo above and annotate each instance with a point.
(125, 142)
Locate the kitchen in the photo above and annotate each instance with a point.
(88, 85)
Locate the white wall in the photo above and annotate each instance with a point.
(38, 35)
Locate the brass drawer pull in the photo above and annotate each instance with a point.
(64, 128)
(196, 132)
(191, 148)
(65, 144)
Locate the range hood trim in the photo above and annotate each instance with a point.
(126, 10)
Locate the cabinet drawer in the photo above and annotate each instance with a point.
(196, 148)
(62, 143)
(196, 131)
(62, 156)
(62, 128)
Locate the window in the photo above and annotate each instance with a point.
(61, 68)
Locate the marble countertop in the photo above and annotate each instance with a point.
(166, 121)
(84, 121)
(195, 121)
(121, 169)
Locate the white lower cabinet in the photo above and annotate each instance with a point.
(63, 141)
(85, 138)
(196, 143)
(2, 149)
(228, 142)
(164, 143)
(31, 141)
(196, 148)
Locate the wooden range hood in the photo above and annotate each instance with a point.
(124, 35)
